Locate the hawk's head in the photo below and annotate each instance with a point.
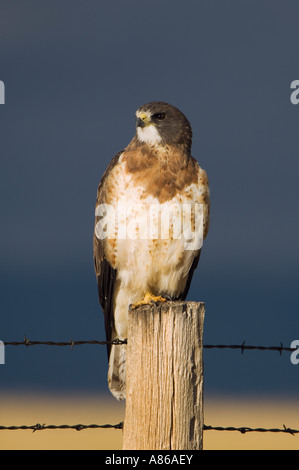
(162, 123)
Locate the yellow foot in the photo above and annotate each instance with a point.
(148, 300)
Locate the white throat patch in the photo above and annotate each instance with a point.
(149, 134)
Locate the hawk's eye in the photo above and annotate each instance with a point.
(159, 116)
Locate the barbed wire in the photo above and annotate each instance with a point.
(244, 430)
(27, 342)
(244, 347)
(71, 343)
(77, 427)
(81, 427)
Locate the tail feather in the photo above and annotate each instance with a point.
(117, 371)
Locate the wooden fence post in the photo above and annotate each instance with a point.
(164, 404)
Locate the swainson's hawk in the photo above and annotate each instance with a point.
(144, 249)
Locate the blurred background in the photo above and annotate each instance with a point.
(75, 72)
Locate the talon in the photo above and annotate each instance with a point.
(148, 300)
(168, 297)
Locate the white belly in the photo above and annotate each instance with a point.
(147, 264)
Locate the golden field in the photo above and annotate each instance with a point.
(31, 409)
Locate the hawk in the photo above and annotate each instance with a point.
(137, 262)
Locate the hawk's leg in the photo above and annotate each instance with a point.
(149, 299)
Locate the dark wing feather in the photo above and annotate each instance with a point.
(184, 294)
(105, 273)
(206, 228)
(106, 276)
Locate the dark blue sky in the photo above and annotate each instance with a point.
(74, 73)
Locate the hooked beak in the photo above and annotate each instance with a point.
(143, 120)
(140, 122)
